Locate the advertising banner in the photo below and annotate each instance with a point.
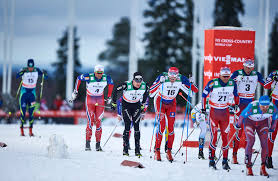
(226, 47)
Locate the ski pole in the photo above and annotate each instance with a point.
(19, 87)
(41, 87)
(154, 124)
(96, 104)
(221, 152)
(111, 133)
(184, 141)
(186, 107)
(256, 156)
(188, 111)
(191, 104)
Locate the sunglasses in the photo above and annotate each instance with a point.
(99, 72)
(138, 80)
(226, 76)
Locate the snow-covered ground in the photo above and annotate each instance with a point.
(26, 159)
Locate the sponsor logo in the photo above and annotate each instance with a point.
(228, 59)
(208, 74)
(172, 114)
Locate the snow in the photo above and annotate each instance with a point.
(27, 158)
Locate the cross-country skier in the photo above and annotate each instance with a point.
(246, 80)
(135, 94)
(167, 86)
(27, 97)
(256, 117)
(220, 90)
(119, 111)
(199, 120)
(95, 85)
(272, 83)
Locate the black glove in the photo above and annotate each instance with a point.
(113, 106)
(203, 111)
(234, 109)
(44, 72)
(275, 78)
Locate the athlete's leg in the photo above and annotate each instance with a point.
(99, 112)
(262, 131)
(250, 138)
(160, 117)
(171, 115)
(213, 132)
(90, 117)
(23, 107)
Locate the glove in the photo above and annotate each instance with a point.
(73, 96)
(109, 100)
(270, 130)
(162, 79)
(237, 127)
(44, 72)
(196, 124)
(113, 106)
(232, 110)
(203, 111)
(275, 78)
(191, 80)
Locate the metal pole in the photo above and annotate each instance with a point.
(10, 60)
(70, 61)
(5, 17)
(259, 45)
(133, 64)
(266, 37)
(201, 35)
(194, 44)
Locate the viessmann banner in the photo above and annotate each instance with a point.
(226, 47)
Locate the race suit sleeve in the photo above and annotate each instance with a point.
(120, 87)
(82, 77)
(110, 86)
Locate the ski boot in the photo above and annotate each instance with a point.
(268, 163)
(137, 152)
(157, 155)
(31, 132)
(201, 154)
(225, 164)
(234, 158)
(98, 147)
(249, 171)
(22, 131)
(212, 163)
(169, 155)
(88, 145)
(125, 151)
(263, 171)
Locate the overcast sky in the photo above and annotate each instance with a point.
(39, 23)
